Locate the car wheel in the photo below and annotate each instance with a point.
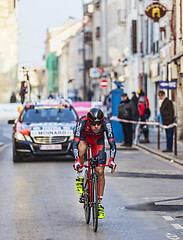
(16, 158)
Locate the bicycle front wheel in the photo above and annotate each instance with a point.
(95, 202)
(87, 208)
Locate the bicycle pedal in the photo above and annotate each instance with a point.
(81, 200)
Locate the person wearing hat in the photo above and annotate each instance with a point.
(127, 110)
(144, 114)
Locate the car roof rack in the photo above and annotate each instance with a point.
(50, 101)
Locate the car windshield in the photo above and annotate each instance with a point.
(48, 115)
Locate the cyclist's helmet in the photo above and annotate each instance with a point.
(95, 115)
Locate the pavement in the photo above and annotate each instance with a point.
(153, 148)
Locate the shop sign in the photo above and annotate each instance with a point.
(155, 11)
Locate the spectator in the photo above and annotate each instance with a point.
(144, 114)
(135, 100)
(90, 94)
(127, 110)
(107, 103)
(13, 98)
(50, 96)
(167, 114)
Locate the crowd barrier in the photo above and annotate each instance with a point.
(158, 124)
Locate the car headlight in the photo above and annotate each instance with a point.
(28, 138)
(19, 136)
(71, 137)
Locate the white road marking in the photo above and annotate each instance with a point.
(172, 236)
(3, 147)
(177, 226)
(168, 218)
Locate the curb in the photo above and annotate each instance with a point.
(169, 158)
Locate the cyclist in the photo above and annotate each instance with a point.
(90, 130)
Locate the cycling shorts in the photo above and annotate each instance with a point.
(98, 146)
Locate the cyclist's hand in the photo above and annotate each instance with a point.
(112, 164)
(77, 164)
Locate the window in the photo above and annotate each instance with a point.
(98, 62)
(134, 36)
(48, 115)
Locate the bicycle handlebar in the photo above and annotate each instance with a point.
(99, 165)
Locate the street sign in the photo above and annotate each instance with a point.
(168, 84)
(94, 73)
(104, 83)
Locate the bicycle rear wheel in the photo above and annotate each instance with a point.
(87, 208)
(95, 202)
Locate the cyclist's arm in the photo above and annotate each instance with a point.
(77, 137)
(110, 137)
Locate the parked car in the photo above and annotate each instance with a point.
(44, 129)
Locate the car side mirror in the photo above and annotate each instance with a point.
(12, 121)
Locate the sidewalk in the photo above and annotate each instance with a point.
(152, 146)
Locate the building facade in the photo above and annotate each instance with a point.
(8, 49)
(64, 42)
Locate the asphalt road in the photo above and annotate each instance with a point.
(143, 200)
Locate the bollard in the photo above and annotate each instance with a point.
(175, 139)
(158, 137)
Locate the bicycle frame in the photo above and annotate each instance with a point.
(91, 188)
(91, 170)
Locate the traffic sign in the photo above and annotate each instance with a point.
(168, 84)
(94, 73)
(104, 83)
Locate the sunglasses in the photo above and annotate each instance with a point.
(95, 123)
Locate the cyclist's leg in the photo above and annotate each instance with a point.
(101, 179)
(99, 149)
(79, 180)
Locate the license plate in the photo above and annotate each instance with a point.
(51, 147)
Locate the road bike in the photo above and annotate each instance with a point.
(91, 196)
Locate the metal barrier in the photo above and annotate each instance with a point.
(158, 124)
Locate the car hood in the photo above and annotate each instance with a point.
(47, 129)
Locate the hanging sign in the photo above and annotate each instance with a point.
(168, 85)
(155, 11)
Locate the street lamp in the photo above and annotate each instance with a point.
(84, 71)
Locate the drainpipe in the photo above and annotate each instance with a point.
(172, 29)
(181, 17)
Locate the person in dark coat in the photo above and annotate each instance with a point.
(13, 98)
(167, 114)
(135, 100)
(127, 110)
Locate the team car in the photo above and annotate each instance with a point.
(44, 129)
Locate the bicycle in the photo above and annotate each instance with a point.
(91, 196)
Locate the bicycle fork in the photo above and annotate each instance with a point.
(91, 179)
